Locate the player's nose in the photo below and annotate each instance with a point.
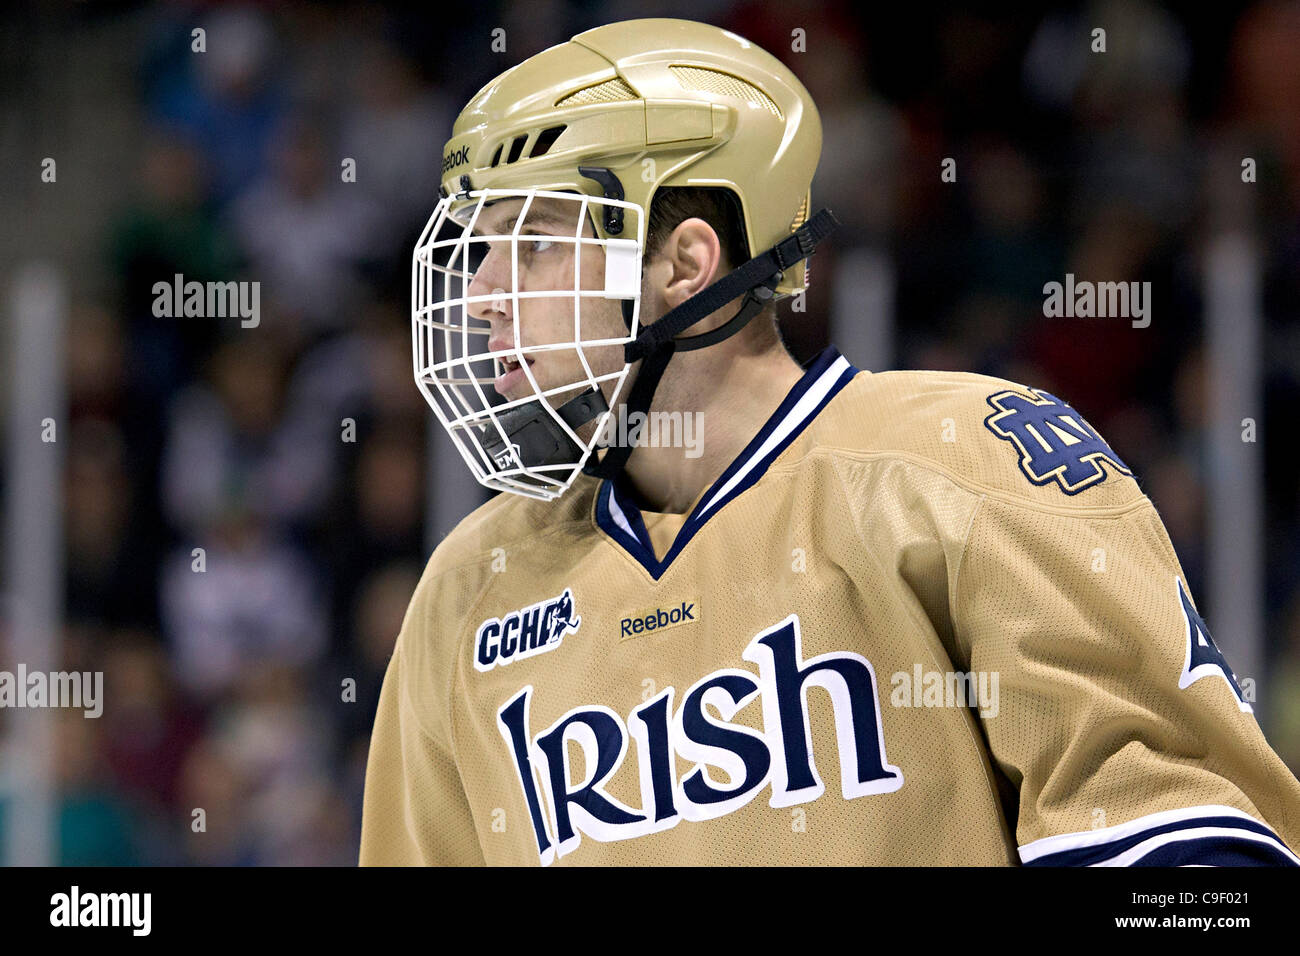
(491, 278)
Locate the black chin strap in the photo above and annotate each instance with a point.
(757, 280)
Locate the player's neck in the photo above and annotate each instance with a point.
(728, 391)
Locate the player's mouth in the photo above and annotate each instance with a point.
(512, 377)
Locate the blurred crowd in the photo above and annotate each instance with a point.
(228, 688)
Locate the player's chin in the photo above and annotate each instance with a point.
(513, 383)
(513, 393)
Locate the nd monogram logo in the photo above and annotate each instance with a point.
(1055, 442)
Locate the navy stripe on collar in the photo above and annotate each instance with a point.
(620, 518)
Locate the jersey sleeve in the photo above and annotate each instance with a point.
(1124, 731)
(415, 811)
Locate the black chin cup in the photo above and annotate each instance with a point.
(535, 437)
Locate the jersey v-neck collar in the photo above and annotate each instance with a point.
(619, 517)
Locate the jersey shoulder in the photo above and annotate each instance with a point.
(507, 523)
(464, 565)
(989, 434)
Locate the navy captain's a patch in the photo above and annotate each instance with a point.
(1203, 657)
(1054, 441)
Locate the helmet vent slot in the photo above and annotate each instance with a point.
(724, 84)
(545, 140)
(517, 147)
(611, 91)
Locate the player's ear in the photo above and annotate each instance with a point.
(689, 261)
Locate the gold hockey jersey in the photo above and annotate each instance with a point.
(924, 618)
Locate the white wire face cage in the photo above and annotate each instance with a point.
(456, 370)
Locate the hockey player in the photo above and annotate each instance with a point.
(731, 610)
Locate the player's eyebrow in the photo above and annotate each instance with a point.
(535, 217)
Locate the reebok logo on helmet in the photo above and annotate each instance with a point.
(455, 158)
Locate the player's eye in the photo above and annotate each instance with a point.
(534, 245)
(472, 255)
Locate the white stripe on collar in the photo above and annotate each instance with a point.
(802, 410)
(619, 517)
